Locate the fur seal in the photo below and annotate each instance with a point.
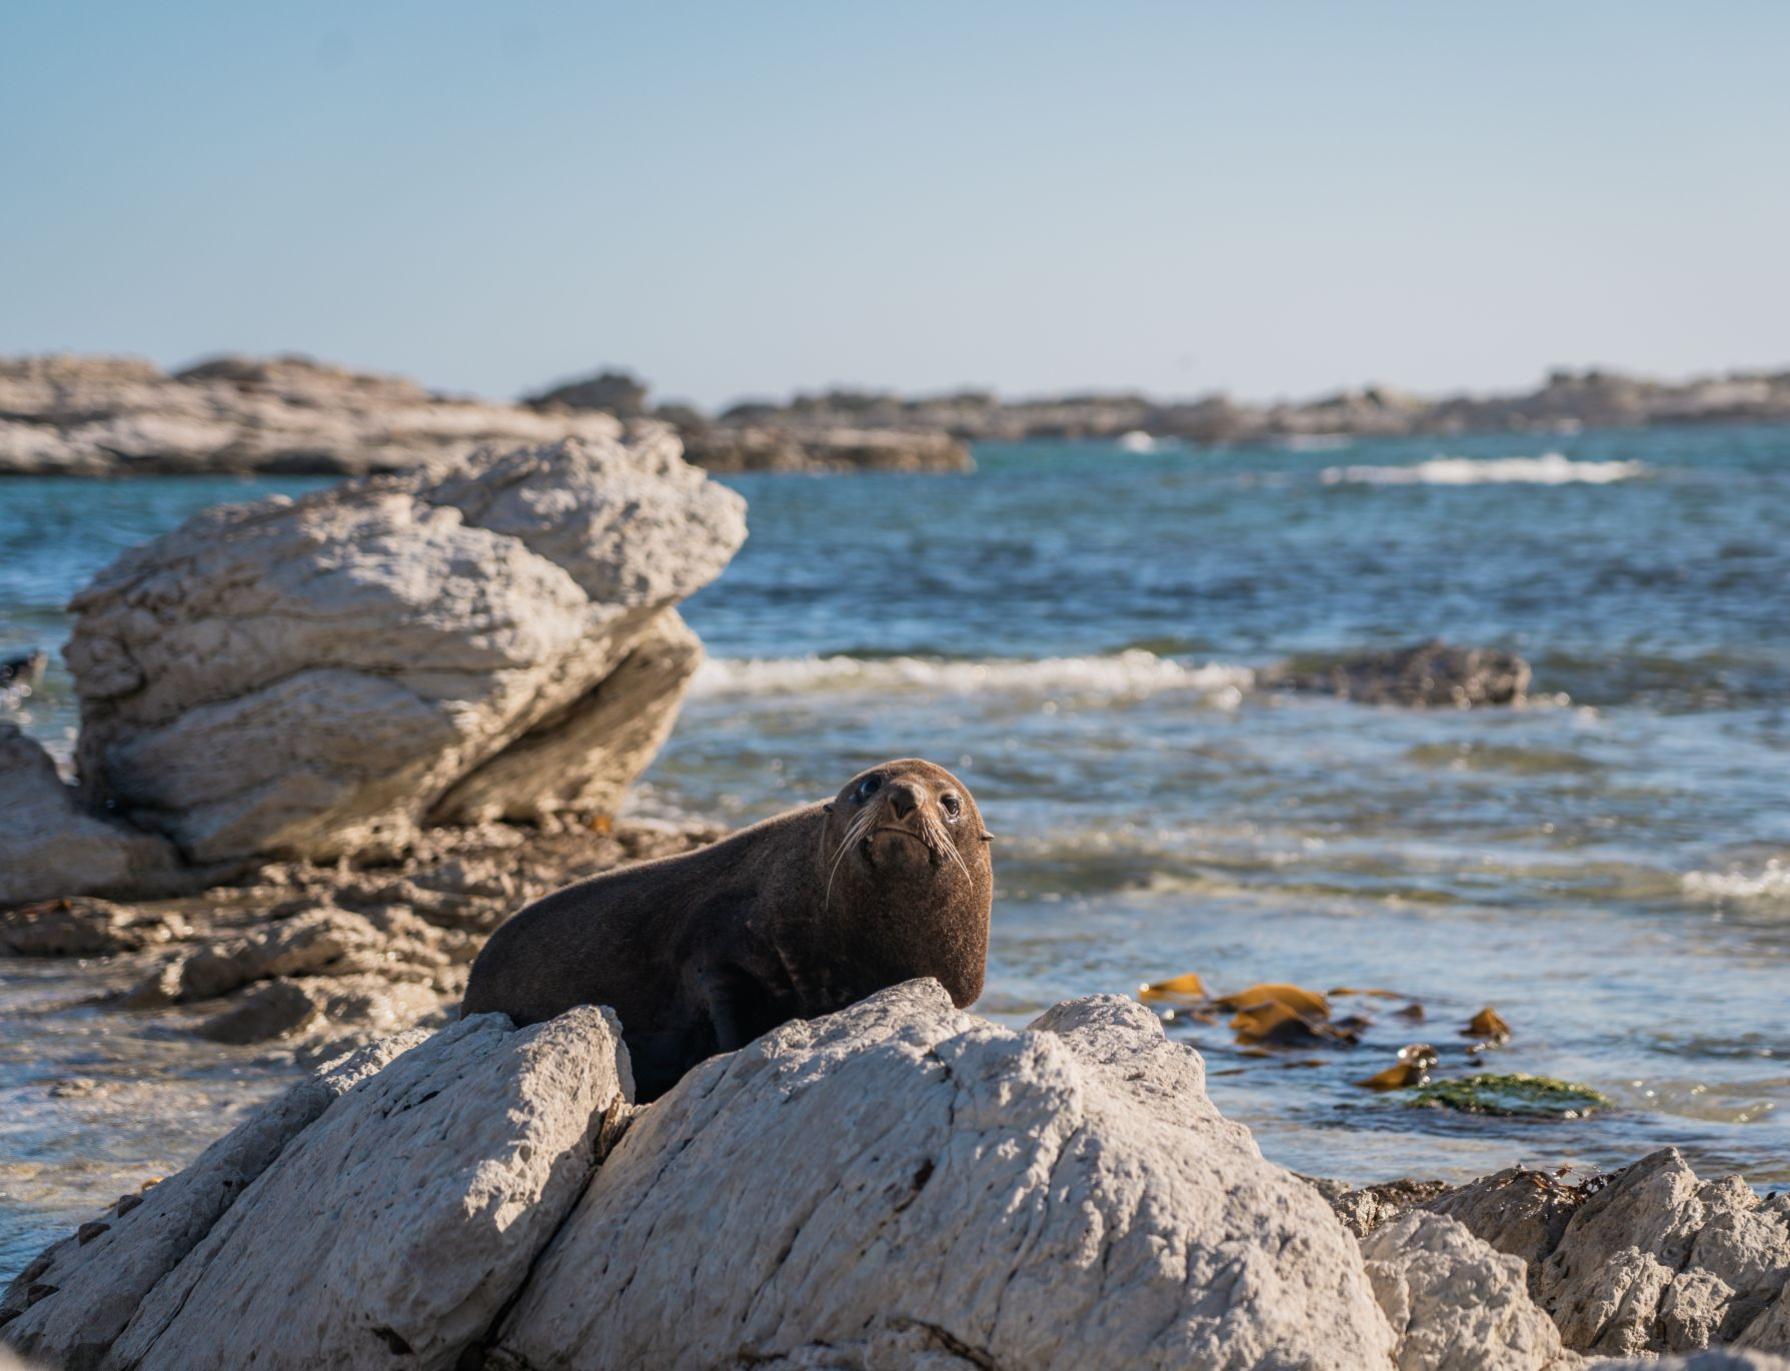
(791, 918)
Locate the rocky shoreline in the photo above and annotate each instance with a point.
(1565, 402)
(120, 416)
(897, 1184)
(289, 415)
(329, 744)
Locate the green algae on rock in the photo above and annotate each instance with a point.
(1511, 1095)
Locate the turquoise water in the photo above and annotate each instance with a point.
(1074, 628)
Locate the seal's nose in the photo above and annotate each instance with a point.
(904, 799)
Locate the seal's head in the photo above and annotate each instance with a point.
(907, 860)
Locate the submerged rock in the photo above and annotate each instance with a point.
(23, 671)
(1517, 1095)
(1433, 674)
(328, 675)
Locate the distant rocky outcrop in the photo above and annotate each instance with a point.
(898, 1184)
(788, 442)
(113, 416)
(752, 448)
(107, 416)
(329, 676)
(618, 392)
(1565, 402)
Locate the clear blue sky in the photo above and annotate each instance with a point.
(746, 198)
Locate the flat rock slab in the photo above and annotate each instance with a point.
(909, 1181)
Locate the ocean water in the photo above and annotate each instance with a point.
(1078, 631)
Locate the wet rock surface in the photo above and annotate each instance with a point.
(319, 957)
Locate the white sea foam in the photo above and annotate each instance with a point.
(1549, 469)
(1119, 675)
(1771, 882)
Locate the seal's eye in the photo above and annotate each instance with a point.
(869, 786)
(952, 806)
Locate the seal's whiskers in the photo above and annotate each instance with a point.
(859, 826)
(934, 835)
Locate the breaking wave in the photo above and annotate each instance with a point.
(1549, 469)
(1770, 882)
(1119, 675)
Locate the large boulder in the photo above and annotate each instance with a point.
(50, 847)
(324, 676)
(903, 1181)
(897, 1184)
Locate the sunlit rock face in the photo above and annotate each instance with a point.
(324, 676)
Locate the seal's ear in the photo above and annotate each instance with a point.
(827, 808)
(987, 837)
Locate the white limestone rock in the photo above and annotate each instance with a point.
(316, 677)
(903, 1174)
(1454, 1302)
(400, 1223)
(72, 1302)
(1659, 1261)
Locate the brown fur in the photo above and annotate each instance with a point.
(794, 917)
